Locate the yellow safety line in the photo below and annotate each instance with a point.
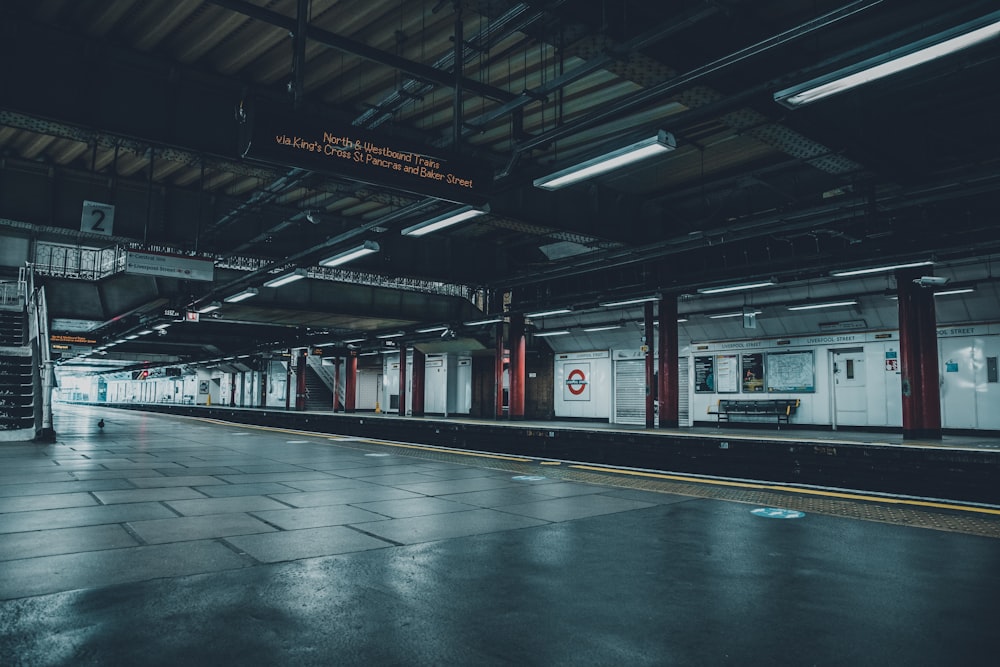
(442, 450)
(793, 489)
(637, 473)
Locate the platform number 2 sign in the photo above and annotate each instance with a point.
(97, 218)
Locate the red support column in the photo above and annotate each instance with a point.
(498, 367)
(336, 383)
(517, 350)
(265, 367)
(300, 381)
(418, 374)
(918, 357)
(351, 383)
(402, 379)
(288, 382)
(649, 335)
(668, 396)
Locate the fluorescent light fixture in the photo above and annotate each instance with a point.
(725, 315)
(248, 293)
(661, 143)
(628, 302)
(355, 340)
(131, 337)
(607, 327)
(366, 248)
(557, 332)
(396, 334)
(120, 341)
(368, 354)
(736, 288)
(445, 220)
(145, 332)
(877, 269)
(209, 307)
(297, 274)
(681, 319)
(432, 329)
(956, 290)
(546, 313)
(489, 320)
(829, 304)
(920, 52)
(161, 327)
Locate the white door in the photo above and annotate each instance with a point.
(958, 382)
(849, 393)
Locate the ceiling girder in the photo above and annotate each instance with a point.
(340, 43)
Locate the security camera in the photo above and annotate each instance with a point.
(931, 281)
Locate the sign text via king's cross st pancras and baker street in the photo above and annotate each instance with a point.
(311, 143)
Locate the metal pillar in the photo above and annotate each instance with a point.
(351, 384)
(232, 389)
(265, 367)
(419, 374)
(402, 379)
(517, 353)
(500, 350)
(288, 382)
(649, 334)
(336, 383)
(668, 396)
(300, 381)
(918, 354)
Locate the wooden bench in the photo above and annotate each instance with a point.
(779, 408)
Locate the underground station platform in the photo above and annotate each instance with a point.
(164, 539)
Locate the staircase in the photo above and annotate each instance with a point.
(318, 395)
(17, 408)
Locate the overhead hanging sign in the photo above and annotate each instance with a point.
(97, 218)
(316, 144)
(169, 266)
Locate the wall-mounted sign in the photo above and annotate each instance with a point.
(97, 218)
(317, 144)
(576, 386)
(169, 266)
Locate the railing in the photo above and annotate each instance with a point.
(62, 260)
(12, 293)
(38, 328)
(327, 375)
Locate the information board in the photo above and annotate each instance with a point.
(704, 375)
(317, 144)
(727, 374)
(752, 365)
(791, 372)
(169, 266)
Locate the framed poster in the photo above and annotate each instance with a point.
(791, 371)
(727, 374)
(752, 365)
(704, 375)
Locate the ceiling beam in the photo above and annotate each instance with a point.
(362, 50)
